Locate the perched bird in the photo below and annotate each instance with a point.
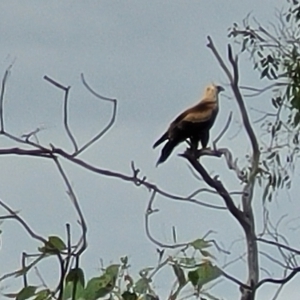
(193, 124)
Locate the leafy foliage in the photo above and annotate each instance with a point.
(275, 54)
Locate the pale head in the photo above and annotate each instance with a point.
(212, 91)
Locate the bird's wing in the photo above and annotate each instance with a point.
(199, 113)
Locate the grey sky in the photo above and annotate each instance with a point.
(152, 57)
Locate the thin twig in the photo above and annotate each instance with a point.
(279, 245)
(216, 140)
(23, 223)
(75, 202)
(148, 213)
(4, 80)
(66, 90)
(109, 125)
(278, 281)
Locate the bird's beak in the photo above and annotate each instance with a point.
(220, 89)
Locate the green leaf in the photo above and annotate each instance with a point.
(129, 296)
(53, 245)
(57, 243)
(266, 192)
(207, 254)
(99, 286)
(264, 73)
(272, 155)
(43, 295)
(200, 244)
(179, 274)
(273, 74)
(142, 285)
(75, 275)
(112, 270)
(26, 292)
(205, 273)
(70, 289)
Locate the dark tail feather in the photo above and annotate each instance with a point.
(166, 151)
(161, 139)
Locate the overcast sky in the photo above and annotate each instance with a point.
(152, 57)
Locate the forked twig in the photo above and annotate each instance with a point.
(109, 125)
(66, 124)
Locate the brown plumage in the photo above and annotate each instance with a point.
(193, 124)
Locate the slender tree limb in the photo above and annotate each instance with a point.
(219, 59)
(109, 125)
(241, 284)
(75, 202)
(4, 80)
(279, 245)
(278, 281)
(247, 216)
(259, 91)
(218, 138)
(23, 223)
(65, 111)
(48, 153)
(148, 213)
(218, 186)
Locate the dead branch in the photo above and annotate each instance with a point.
(109, 125)
(218, 186)
(65, 111)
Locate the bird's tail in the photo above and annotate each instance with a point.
(161, 139)
(166, 151)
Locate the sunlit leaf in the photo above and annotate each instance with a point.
(75, 275)
(207, 254)
(73, 288)
(112, 270)
(98, 287)
(26, 292)
(205, 273)
(53, 245)
(200, 244)
(142, 285)
(43, 295)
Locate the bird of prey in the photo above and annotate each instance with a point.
(192, 125)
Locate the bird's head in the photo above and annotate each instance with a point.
(212, 91)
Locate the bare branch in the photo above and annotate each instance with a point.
(278, 281)
(219, 59)
(23, 223)
(218, 186)
(245, 218)
(241, 284)
(259, 91)
(279, 245)
(109, 125)
(66, 124)
(216, 140)
(55, 83)
(4, 80)
(148, 213)
(75, 202)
